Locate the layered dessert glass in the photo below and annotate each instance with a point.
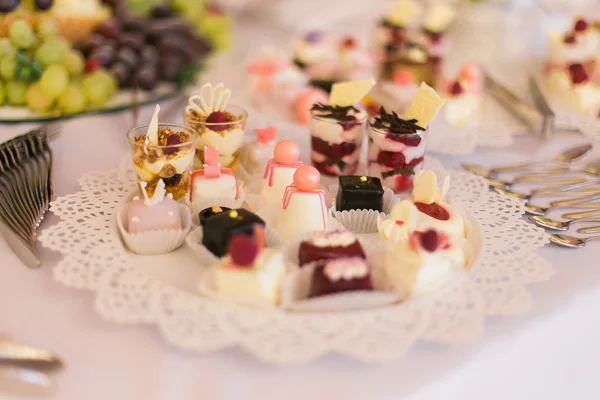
(171, 160)
(336, 138)
(396, 150)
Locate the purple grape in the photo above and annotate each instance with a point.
(7, 6)
(148, 55)
(110, 28)
(169, 68)
(43, 5)
(135, 24)
(127, 56)
(162, 11)
(92, 43)
(133, 40)
(104, 54)
(146, 78)
(121, 71)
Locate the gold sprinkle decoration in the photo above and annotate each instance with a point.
(363, 179)
(217, 209)
(233, 214)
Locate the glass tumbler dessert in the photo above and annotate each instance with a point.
(170, 160)
(396, 151)
(336, 138)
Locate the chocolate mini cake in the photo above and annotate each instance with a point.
(219, 229)
(329, 246)
(340, 275)
(359, 193)
(211, 212)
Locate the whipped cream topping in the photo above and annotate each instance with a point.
(346, 268)
(336, 238)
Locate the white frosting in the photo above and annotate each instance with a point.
(346, 269)
(309, 53)
(585, 48)
(401, 222)
(282, 177)
(329, 130)
(333, 239)
(257, 155)
(180, 164)
(223, 186)
(460, 110)
(262, 280)
(228, 144)
(303, 214)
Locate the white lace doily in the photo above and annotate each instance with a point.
(132, 289)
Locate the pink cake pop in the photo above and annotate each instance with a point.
(307, 178)
(286, 152)
(305, 102)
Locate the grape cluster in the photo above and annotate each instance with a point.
(7, 6)
(40, 69)
(142, 51)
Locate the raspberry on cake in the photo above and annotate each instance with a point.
(340, 275)
(328, 246)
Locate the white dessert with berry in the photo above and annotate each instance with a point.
(438, 18)
(304, 206)
(580, 45)
(218, 125)
(337, 129)
(423, 263)
(575, 85)
(312, 48)
(463, 100)
(401, 222)
(250, 269)
(213, 181)
(279, 172)
(391, 30)
(257, 153)
(355, 62)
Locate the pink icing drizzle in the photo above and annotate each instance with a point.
(272, 164)
(320, 190)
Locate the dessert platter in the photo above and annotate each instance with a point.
(221, 242)
(63, 58)
(571, 78)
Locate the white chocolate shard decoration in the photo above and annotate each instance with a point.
(425, 106)
(345, 94)
(426, 189)
(159, 193)
(438, 18)
(405, 12)
(401, 222)
(152, 134)
(215, 99)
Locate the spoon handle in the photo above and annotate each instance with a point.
(582, 214)
(589, 229)
(577, 183)
(575, 200)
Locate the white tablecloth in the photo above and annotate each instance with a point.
(552, 352)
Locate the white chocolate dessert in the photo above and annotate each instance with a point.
(574, 84)
(463, 100)
(423, 263)
(304, 206)
(256, 154)
(250, 270)
(218, 125)
(580, 45)
(279, 172)
(214, 181)
(312, 48)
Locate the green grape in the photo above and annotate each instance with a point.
(142, 7)
(8, 66)
(54, 80)
(15, 92)
(37, 100)
(72, 101)
(6, 47)
(74, 62)
(96, 89)
(52, 51)
(48, 27)
(2, 93)
(107, 79)
(21, 34)
(217, 29)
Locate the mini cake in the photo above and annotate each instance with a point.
(163, 154)
(279, 172)
(396, 145)
(337, 129)
(218, 125)
(256, 154)
(250, 269)
(340, 275)
(391, 30)
(219, 229)
(214, 181)
(314, 47)
(359, 193)
(304, 207)
(423, 263)
(434, 212)
(329, 246)
(211, 212)
(154, 212)
(463, 102)
(401, 222)
(574, 84)
(580, 45)
(354, 62)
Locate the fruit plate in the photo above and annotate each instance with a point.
(162, 291)
(122, 100)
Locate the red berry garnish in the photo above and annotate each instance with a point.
(403, 183)
(172, 140)
(219, 118)
(578, 74)
(580, 25)
(456, 89)
(570, 39)
(92, 65)
(349, 42)
(429, 240)
(243, 250)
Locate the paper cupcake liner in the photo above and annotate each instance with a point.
(155, 242)
(194, 242)
(365, 221)
(296, 285)
(205, 202)
(206, 287)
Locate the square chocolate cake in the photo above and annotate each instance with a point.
(359, 193)
(329, 246)
(340, 275)
(219, 229)
(211, 212)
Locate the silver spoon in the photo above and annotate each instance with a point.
(549, 191)
(568, 156)
(533, 178)
(553, 224)
(589, 229)
(572, 242)
(582, 214)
